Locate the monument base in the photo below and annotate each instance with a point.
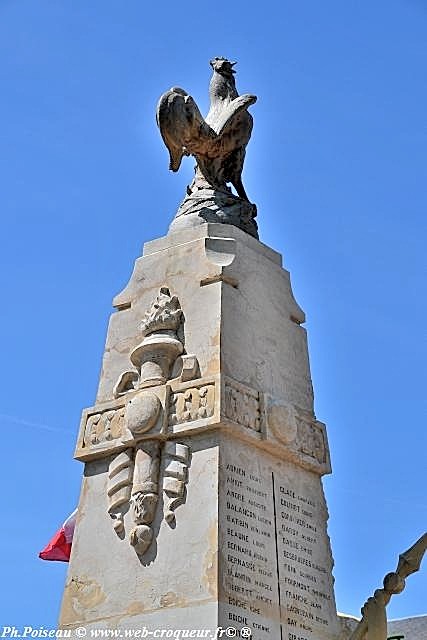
(248, 550)
(214, 206)
(202, 502)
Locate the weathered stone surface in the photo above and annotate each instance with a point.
(175, 579)
(235, 289)
(202, 503)
(142, 412)
(275, 563)
(218, 145)
(258, 547)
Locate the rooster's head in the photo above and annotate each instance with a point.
(222, 66)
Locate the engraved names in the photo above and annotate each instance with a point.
(304, 563)
(277, 567)
(250, 579)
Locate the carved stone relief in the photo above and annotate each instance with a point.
(139, 415)
(155, 355)
(282, 420)
(191, 404)
(311, 440)
(104, 426)
(243, 405)
(120, 474)
(160, 355)
(156, 399)
(142, 412)
(189, 369)
(300, 431)
(133, 429)
(145, 415)
(145, 495)
(177, 460)
(134, 478)
(137, 419)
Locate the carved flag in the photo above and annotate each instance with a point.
(59, 547)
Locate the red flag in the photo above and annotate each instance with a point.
(59, 547)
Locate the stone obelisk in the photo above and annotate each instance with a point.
(202, 502)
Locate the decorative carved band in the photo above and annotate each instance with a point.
(104, 426)
(242, 405)
(311, 440)
(147, 414)
(303, 435)
(191, 404)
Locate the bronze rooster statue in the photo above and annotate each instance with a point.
(218, 144)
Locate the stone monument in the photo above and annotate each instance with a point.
(202, 505)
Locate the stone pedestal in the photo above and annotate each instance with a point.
(202, 503)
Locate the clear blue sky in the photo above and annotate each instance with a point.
(337, 167)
